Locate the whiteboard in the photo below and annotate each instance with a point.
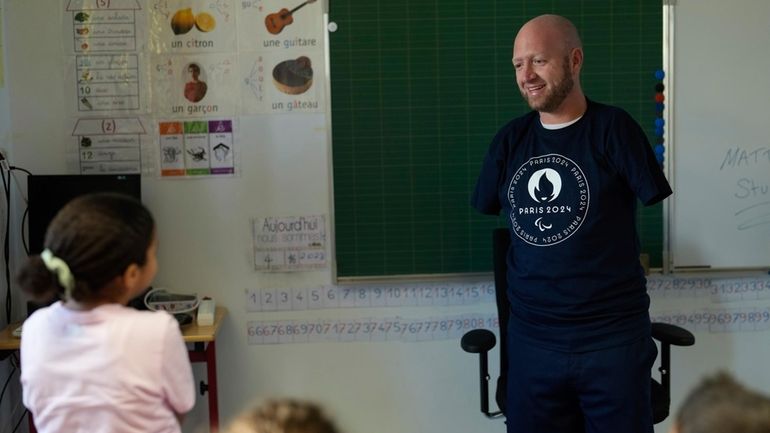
(721, 134)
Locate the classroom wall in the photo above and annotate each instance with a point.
(11, 408)
(427, 386)
(206, 248)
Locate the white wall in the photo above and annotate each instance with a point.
(206, 248)
(736, 342)
(11, 408)
(205, 238)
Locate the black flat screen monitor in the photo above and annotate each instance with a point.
(47, 194)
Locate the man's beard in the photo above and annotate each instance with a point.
(556, 95)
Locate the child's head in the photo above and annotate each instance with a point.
(720, 404)
(283, 416)
(98, 248)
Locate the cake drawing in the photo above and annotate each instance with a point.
(293, 77)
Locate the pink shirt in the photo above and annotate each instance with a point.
(112, 369)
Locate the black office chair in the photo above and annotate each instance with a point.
(482, 341)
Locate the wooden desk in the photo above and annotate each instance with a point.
(7, 340)
(203, 339)
(204, 350)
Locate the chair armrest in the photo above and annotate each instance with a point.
(672, 334)
(478, 341)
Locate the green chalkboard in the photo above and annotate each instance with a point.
(418, 89)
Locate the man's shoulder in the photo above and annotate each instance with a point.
(517, 125)
(524, 120)
(607, 111)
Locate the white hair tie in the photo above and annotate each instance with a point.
(62, 271)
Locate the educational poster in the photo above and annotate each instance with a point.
(193, 70)
(105, 80)
(282, 57)
(279, 23)
(194, 148)
(102, 43)
(192, 26)
(289, 243)
(194, 85)
(368, 329)
(711, 304)
(109, 145)
(96, 26)
(107, 83)
(282, 82)
(193, 75)
(427, 294)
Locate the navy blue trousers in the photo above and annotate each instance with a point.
(603, 391)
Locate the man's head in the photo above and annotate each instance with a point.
(547, 57)
(720, 404)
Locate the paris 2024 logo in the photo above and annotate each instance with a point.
(549, 199)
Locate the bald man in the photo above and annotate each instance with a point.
(567, 176)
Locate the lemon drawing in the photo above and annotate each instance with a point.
(182, 21)
(205, 22)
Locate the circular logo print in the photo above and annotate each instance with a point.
(549, 199)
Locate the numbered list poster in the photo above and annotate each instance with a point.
(102, 42)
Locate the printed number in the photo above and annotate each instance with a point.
(108, 126)
(102, 4)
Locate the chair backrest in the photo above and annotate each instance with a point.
(501, 242)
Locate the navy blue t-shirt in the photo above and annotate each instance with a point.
(574, 278)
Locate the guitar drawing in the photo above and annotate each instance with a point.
(277, 21)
